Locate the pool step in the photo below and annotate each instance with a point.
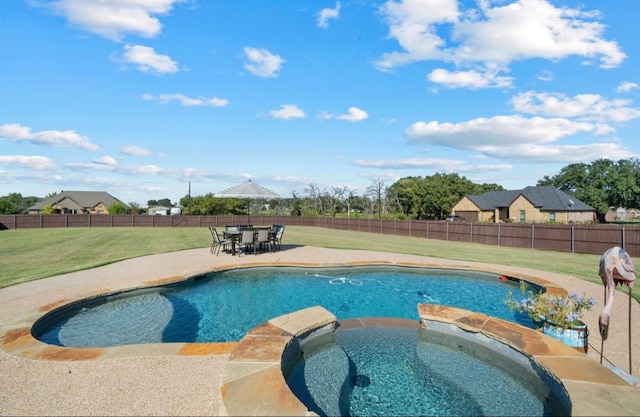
(326, 375)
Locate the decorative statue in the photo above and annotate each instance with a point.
(616, 268)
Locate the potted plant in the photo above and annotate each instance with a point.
(559, 316)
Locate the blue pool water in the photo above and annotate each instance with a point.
(402, 371)
(223, 306)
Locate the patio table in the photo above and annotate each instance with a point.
(233, 236)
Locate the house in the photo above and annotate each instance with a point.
(531, 204)
(77, 202)
(164, 210)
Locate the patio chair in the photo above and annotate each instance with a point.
(277, 236)
(247, 241)
(216, 242)
(263, 238)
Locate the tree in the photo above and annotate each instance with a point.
(14, 203)
(296, 207)
(48, 209)
(433, 197)
(135, 208)
(117, 207)
(377, 190)
(211, 205)
(314, 193)
(603, 184)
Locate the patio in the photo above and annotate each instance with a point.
(184, 379)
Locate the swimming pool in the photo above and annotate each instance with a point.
(222, 306)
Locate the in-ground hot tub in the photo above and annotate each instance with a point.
(381, 367)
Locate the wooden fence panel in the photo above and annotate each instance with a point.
(596, 239)
(437, 230)
(53, 221)
(484, 233)
(552, 237)
(515, 235)
(458, 232)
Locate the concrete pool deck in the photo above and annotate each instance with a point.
(185, 379)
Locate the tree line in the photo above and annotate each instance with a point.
(603, 184)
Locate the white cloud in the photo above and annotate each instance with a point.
(326, 14)
(114, 19)
(55, 138)
(498, 131)
(288, 111)
(105, 160)
(527, 29)
(146, 59)
(187, 101)
(518, 138)
(133, 150)
(626, 86)
(262, 62)
(412, 24)
(581, 106)
(545, 76)
(354, 115)
(469, 79)
(27, 161)
(435, 164)
(411, 163)
(121, 169)
(492, 37)
(561, 154)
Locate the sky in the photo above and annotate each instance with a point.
(153, 99)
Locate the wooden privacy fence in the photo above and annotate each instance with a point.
(577, 238)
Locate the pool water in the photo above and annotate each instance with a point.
(385, 371)
(224, 306)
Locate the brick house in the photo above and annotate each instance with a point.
(77, 202)
(531, 205)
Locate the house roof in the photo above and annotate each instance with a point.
(546, 198)
(85, 199)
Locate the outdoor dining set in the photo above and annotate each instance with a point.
(247, 239)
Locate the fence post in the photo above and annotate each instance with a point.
(471, 232)
(573, 239)
(624, 238)
(499, 234)
(533, 234)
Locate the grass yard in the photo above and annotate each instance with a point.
(33, 254)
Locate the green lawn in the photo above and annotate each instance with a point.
(38, 253)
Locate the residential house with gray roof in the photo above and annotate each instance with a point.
(77, 202)
(543, 204)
